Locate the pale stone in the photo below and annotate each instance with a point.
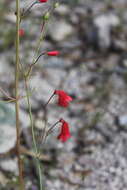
(59, 30)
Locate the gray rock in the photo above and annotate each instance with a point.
(43, 88)
(11, 18)
(104, 23)
(58, 63)
(10, 165)
(62, 10)
(7, 137)
(60, 30)
(7, 128)
(123, 120)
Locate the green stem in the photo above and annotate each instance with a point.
(40, 40)
(21, 181)
(26, 78)
(39, 43)
(28, 9)
(33, 136)
(30, 115)
(45, 119)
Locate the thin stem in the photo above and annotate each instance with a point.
(48, 132)
(6, 94)
(36, 53)
(43, 135)
(32, 65)
(28, 9)
(7, 101)
(45, 125)
(41, 38)
(42, 35)
(33, 135)
(30, 114)
(42, 26)
(51, 128)
(21, 68)
(48, 101)
(26, 78)
(21, 181)
(38, 58)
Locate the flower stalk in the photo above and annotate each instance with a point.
(33, 136)
(28, 9)
(21, 180)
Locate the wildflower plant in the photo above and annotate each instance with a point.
(63, 99)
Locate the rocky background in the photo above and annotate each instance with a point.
(92, 67)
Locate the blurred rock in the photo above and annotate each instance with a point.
(7, 137)
(11, 18)
(7, 129)
(7, 123)
(10, 165)
(3, 180)
(59, 30)
(43, 89)
(105, 23)
(123, 120)
(62, 10)
(58, 63)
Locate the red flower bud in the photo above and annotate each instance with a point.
(42, 1)
(63, 98)
(65, 132)
(53, 53)
(21, 32)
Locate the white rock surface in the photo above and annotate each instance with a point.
(43, 88)
(62, 9)
(10, 165)
(59, 30)
(104, 24)
(123, 120)
(11, 17)
(3, 179)
(7, 126)
(7, 137)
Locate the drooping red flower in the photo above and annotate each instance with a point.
(42, 1)
(63, 98)
(65, 132)
(21, 32)
(53, 53)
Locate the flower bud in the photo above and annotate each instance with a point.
(56, 5)
(53, 53)
(46, 16)
(21, 32)
(42, 1)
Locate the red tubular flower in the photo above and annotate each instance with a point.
(65, 132)
(21, 32)
(53, 53)
(63, 98)
(42, 1)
